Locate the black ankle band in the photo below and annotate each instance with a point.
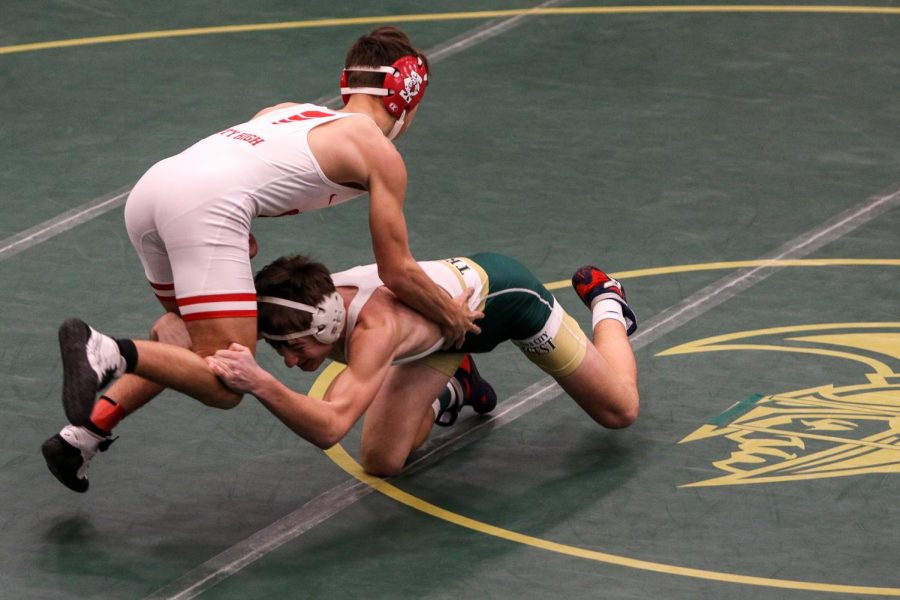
(93, 428)
(129, 353)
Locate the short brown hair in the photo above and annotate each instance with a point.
(296, 278)
(380, 47)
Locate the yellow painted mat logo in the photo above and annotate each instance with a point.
(876, 345)
(820, 432)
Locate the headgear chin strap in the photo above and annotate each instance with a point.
(327, 318)
(398, 125)
(403, 88)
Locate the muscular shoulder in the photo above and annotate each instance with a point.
(379, 313)
(362, 133)
(355, 150)
(378, 331)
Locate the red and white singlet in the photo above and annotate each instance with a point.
(189, 216)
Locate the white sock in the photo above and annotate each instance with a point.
(454, 391)
(606, 308)
(104, 356)
(81, 437)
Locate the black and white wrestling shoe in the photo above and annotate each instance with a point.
(90, 361)
(69, 453)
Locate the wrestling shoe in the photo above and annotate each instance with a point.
(69, 452)
(466, 388)
(592, 285)
(90, 360)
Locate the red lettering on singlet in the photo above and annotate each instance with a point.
(234, 134)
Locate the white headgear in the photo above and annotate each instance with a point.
(327, 318)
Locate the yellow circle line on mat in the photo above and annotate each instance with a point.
(348, 464)
(449, 16)
(744, 264)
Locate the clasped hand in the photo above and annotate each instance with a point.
(237, 368)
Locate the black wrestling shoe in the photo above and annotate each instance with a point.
(90, 361)
(474, 391)
(69, 453)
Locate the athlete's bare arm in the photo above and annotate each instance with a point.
(322, 422)
(354, 151)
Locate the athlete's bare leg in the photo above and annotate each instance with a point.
(400, 418)
(185, 370)
(605, 384)
(132, 391)
(154, 365)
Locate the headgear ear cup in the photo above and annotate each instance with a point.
(406, 85)
(327, 322)
(403, 86)
(329, 318)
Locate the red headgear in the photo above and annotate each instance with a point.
(403, 87)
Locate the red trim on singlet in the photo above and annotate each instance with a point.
(163, 287)
(218, 314)
(217, 298)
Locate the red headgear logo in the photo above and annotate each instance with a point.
(403, 87)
